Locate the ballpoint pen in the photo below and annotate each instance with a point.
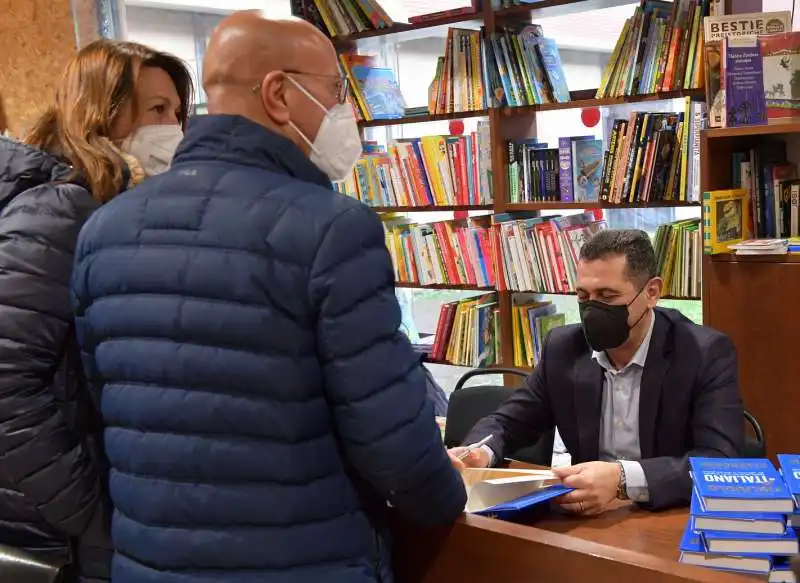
(473, 447)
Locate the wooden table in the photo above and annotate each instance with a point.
(624, 545)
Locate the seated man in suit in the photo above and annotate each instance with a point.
(635, 390)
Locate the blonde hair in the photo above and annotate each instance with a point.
(98, 87)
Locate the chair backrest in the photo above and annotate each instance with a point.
(754, 446)
(468, 405)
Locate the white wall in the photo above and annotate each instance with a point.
(274, 8)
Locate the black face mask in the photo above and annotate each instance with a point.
(604, 325)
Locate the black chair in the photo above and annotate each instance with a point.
(468, 405)
(754, 446)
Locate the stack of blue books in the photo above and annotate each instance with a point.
(743, 516)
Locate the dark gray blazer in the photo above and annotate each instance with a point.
(689, 405)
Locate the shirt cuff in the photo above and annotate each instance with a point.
(635, 481)
(490, 452)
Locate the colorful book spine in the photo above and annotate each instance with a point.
(744, 83)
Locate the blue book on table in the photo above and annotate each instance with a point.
(753, 522)
(740, 485)
(744, 543)
(693, 552)
(512, 508)
(790, 469)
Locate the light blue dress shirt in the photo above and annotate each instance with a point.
(619, 422)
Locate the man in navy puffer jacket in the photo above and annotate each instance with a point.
(261, 406)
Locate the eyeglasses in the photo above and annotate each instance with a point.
(342, 83)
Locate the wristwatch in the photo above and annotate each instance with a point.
(622, 490)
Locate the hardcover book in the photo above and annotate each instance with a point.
(790, 469)
(744, 83)
(740, 522)
(725, 219)
(501, 493)
(751, 544)
(780, 54)
(587, 168)
(693, 552)
(740, 485)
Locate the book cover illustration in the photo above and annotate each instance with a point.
(587, 166)
(381, 92)
(715, 28)
(725, 219)
(740, 485)
(551, 60)
(780, 54)
(744, 83)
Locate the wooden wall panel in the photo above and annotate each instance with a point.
(37, 39)
(753, 300)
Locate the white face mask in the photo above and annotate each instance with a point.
(154, 146)
(338, 144)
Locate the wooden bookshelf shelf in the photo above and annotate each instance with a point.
(555, 8)
(580, 99)
(554, 206)
(429, 360)
(732, 258)
(761, 130)
(443, 286)
(401, 27)
(585, 98)
(423, 118)
(544, 293)
(432, 209)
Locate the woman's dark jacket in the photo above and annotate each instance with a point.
(52, 498)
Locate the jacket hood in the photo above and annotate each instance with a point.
(23, 167)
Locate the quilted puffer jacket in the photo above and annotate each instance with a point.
(261, 404)
(51, 489)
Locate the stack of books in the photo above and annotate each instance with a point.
(743, 516)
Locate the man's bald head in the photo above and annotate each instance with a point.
(247, 66)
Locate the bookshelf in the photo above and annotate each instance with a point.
(752, 299)
(510, 123)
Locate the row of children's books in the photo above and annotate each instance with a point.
(654, 157)
(651, 157)
(424, 172)
(466, 332)
(514, 67)
(346, 17)
(744, 513)
(569, 173)
(659, 49)
(679, 252)
(532, 318)
(459, 252)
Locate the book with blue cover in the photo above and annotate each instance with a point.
(740, 485)
(738, 543)
(506, 493)
(693, 552)
(752, 522)
(790, 469)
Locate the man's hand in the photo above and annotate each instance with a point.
(595, 485)
(477, 458)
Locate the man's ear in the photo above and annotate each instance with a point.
(273, 96)
(653, 291)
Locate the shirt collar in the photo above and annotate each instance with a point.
(639, 357)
